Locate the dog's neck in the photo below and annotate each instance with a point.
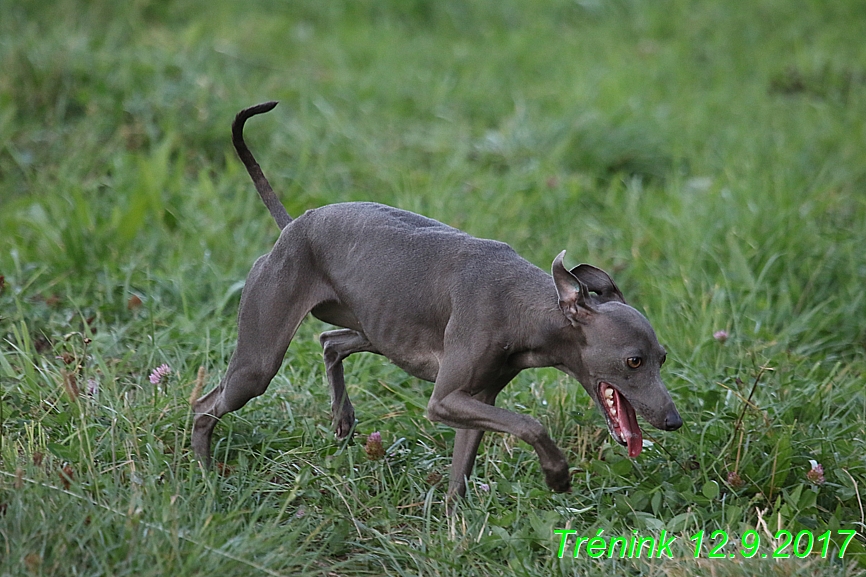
(543, 331)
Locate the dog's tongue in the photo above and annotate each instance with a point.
(627, 420)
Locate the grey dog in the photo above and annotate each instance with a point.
(465, 313)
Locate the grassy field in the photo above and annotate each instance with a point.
(710, 155)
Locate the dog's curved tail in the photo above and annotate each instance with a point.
(275, 207)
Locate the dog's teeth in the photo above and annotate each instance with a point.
(608, 393)
(612, 412)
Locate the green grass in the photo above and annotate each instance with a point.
(711, 156)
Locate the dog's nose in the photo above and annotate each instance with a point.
(673, 421)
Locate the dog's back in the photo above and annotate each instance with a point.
(378, 263)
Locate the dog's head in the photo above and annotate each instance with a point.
(619, 360)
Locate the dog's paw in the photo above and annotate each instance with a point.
(558, 479)
(344, 424)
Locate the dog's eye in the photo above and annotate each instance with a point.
(634, 362)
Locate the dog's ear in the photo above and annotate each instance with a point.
(599, 282)
(572, 293)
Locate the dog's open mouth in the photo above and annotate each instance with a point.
(621, 419)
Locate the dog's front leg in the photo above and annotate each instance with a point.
(466, 443)
(454, 404)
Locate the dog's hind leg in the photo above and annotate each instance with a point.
(336, 346)
(273, 304)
